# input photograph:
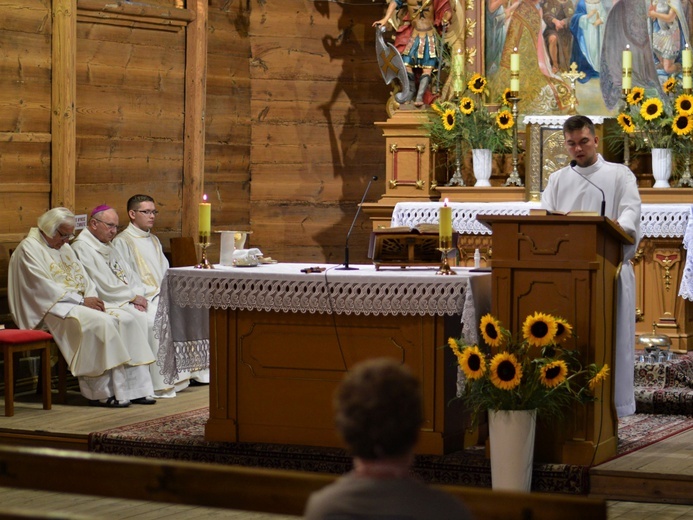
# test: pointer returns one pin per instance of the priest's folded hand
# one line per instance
(94, 303)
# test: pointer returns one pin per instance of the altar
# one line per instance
(278, 341)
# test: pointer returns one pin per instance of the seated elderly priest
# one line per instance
(116, 283)
(48, 288)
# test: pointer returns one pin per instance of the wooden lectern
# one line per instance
(566, 266)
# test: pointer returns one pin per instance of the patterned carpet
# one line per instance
(181, 437)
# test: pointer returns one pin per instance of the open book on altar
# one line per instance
(544, 212)
(419, 229)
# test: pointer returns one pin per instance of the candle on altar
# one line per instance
(457, 71)
(205, 217)
(686, 64)
(445, 226)
(627, 59)
(515, 71)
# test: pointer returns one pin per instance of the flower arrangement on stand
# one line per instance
(528, 375)
(665, 124)
(467, 123)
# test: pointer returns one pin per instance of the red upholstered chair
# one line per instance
(21, 340)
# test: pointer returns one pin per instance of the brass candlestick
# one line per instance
(686, 179)
(573, 75)
(456, 179)
(514, 177)
(445, 246)
(626, 140)
(204, 244)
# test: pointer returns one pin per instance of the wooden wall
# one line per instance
(292, 92)
(316, 92)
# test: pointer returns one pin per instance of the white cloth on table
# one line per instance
(92, 342)
(568, 191)
(686, 287)
(187, 294)
(142, 250)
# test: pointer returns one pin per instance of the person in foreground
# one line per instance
(49, 289)
(379, 414)
(142, 249)
(573, 189)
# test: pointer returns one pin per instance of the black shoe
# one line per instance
(111, 402)
(195, 382)
(143, 400)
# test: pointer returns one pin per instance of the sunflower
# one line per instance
(452, 343)
(626, 122)
(491, 331)
(473, 363)
(564, 330)
(504, 120)
(539, 329)
(448, 119)
(466, 105)
(682, 124)
(651, 109)
(553, 374)
(599, 377)
(684, 104)
(437, 109)
(477, 83)
(636, 96)
(506, 372)
(669, 85)
(505, 97)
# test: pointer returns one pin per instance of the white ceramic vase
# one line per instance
(661, 167)
(481, 163)
(512, 448)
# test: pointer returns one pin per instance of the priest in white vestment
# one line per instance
(142, 250)
(49, 289)
(116, 283)
(573, 189)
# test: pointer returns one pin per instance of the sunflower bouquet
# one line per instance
(468, 120)
(651, 122)
(531, 372)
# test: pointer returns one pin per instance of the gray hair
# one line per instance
(52, 219)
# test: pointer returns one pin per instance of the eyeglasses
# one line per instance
(147, 211)
(65, 236)
(107, 224)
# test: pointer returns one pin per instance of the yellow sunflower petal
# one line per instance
(504, 120)
(669, 85)
(684, 104)
(539, 329)
(466, 105)
(626, 123)
(491, 331)
(448, 118)
(651, 109)
(506, 372)
(636, 96)
(682, 124)
(553, 374)
(477, 83)
(473, 363)
(599, 377)
(564, 330)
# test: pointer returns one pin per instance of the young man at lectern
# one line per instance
(590, 183)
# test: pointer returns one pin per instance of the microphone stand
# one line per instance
(602, 213)
(346, 246)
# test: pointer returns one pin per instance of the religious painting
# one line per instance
(550, 35)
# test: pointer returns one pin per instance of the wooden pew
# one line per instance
(241, 488)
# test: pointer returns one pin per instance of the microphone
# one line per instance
(346, 246)
(573, 163)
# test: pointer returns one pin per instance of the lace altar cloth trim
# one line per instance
(186, 292)
(559, 120)
(686, 288)
(656, 220)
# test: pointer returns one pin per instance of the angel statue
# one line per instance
(422, 27)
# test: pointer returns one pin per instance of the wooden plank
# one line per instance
(334, 113)
(112, 33)
(358, 90)
(19, 213)
(139, 9)
(25, 187)
(243, 488)
(194, 143)
(25, 137)
(320, 151)
(63, 102)
(30, 16)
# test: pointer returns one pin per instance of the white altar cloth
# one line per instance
(686, 288)
(187, 294)
(656, 221)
